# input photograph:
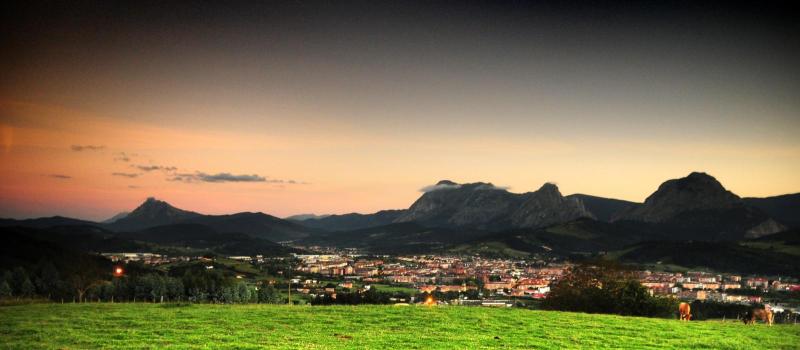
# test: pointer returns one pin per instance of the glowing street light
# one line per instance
(118, 271)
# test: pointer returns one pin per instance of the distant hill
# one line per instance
(352, 221)
(736, 257)
(20, 248)
(255, 224)
(397, 238)
(89, 239)
(115, 217)
(46, 222)
(202, 237)
(603, 209)
(154, 213)
(791, 237)
(785, 209)
(184, 238)
(582, 236)
(303, 217)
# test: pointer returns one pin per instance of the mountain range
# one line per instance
(470, 218)
(693, 207)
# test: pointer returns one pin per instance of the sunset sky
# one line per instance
(306, 107)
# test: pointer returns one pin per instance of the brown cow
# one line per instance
(761, 314)
(685, 310)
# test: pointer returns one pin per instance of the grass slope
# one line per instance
(716, 256)
(141, 326)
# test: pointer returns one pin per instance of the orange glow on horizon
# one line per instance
(333, 169)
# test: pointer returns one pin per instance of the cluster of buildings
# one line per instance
(510, 278)
(709, 286)
(146, 258)
(438, 273)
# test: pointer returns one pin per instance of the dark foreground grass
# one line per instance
(141, 326)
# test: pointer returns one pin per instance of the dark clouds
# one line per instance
(219, 177)
(128, 175)
(149, 168)
(200, 176)
(80, 148)
(227, 177)
(59, 176)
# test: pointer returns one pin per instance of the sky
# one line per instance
(335, 107)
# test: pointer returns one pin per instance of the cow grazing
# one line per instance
(686, 311)
(759, 314)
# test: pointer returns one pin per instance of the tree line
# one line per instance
(194, 284)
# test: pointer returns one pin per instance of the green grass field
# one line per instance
(140, 326)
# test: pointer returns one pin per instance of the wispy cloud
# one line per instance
(80, 148)
(228, 177)
(59, 176)
(440, 186)
(200, 176)
(219, 177)
(123, 157)
(149, 168)
(129, 175)
(133, 186)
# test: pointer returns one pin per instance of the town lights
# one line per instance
(118, 271)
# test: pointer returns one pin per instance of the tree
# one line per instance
(243, 292)
(174, 288)
(604, 287)
(5, 290)
(85, 273)
(48, 280)
(268, 295)
(27, 289)
(18, 277)
(229, 295)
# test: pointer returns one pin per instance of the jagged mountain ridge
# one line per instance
(484, 206)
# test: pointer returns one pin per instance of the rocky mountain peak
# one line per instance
(697, 191)
(154, 206)
(486, 206)
(549, 188)
(696, 182)
(152, 212)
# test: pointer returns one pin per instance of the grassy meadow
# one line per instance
(143, 326)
